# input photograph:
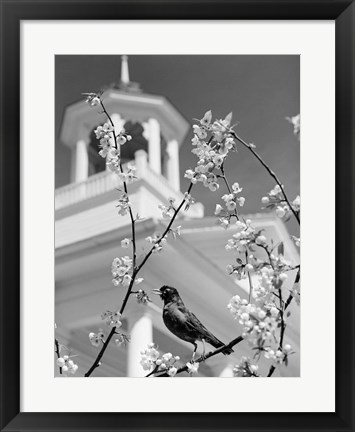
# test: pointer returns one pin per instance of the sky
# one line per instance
(260, 91)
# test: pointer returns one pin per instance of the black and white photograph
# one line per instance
(177, 216)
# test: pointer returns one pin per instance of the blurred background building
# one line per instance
(88, 232)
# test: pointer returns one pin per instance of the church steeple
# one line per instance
(124, 70)
(125, 84)
(157, 128)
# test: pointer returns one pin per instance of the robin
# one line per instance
(183, 323)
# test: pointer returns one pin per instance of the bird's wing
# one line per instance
(195, 324)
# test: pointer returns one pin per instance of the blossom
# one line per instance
(297, 240)
(211, 142)
(157, 242)
(192, 367)
(189, 174)
(121, 269)
(218, 209)
(123, 204)
(122, 339)
(259, 323)
(172, 371)
(138, 280)
(126, 280)
(206, 119)
(295, 292)
(296, 122)
(112, 318)
(67, 364)
(244, 236)
(122, 138)
(275, 191)
(245, 368)
(265, 286)
(96, 338)
(167, 211)
(296, 203)
(151, 358)
(241, 201)
(283, 277)
(93, 99)
(281, 211)
(220, 128)
(200, 131)
(142, 297)
(113, 162)
(278, 356)
(104, 131)
(260, 240)
(231, 200)
(189, 200)
(125, 243)
(236, 188)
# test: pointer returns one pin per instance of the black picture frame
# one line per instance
(12, 12)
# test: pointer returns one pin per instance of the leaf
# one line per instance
(228, 118)
(281, 249)
(288, 314)
(239, 261)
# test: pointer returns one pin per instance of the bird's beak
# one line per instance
(156, 291)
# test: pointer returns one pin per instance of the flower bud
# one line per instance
(60, 362)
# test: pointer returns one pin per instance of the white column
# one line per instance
(141, 159)
(141, 332)
(154, 145)
(172, 166)
(80, 162)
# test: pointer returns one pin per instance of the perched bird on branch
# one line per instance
(183, 323)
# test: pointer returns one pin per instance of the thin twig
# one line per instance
(290, 297)
(57, 350)
(269, 170)
(271, 371)
(155, 370)
(249, 276)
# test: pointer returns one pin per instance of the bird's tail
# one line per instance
(218, 344)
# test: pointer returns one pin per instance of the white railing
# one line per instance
(106, 181)
(95, 185)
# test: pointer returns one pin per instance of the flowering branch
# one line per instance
(223, 176)
(57, 351)
(269, 170)
(124, 184)
(136, 268)
(260, 320)
(223, 348)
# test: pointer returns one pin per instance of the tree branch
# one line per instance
(269, 170)
(207, 356)
(57, 351)
(135, 268)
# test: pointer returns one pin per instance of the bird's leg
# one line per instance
(193, 354)
(203, 356)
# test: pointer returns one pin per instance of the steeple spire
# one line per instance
(124, 70)
(125, 84)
